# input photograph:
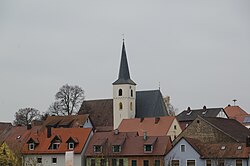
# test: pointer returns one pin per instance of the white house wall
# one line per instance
(47, 159)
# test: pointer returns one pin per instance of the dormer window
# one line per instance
(148, 148)
(97, 148)
(71, 146)
(117, 148)
(120, 92)
(32, 143)
(55, 143)
(31, 146)
(55, 146)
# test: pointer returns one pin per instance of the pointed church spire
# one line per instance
(124, 76)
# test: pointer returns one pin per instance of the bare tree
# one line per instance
(67, 100)
(170, 108)
(25, 116)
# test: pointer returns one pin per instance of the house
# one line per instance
(126, 149)
(69, 121)
(11, 143)
(187, 116)
(216, 130)
(190, 151)
(237, 113)
(126, 103)
(56, 146)
(159, 126)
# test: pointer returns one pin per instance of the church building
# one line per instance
(127, 103)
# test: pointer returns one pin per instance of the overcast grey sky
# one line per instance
(198, 50)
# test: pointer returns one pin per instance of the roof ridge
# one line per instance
(218, 127)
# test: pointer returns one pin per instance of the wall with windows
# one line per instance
(143, 161)
(50, 159)
(183, 153)
(105, 161)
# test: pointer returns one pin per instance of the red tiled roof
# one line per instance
(132, 146)
(17, 136)
(81, 134)
(153, 126)
(233, 111)
(219, 150)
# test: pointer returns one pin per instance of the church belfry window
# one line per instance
(120, 106)
(120, 92)
(131, 106)
(131, 93)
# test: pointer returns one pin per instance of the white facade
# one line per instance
(123, 102)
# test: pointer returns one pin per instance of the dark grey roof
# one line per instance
(124, 76)
(100, 111)
(231, 127)
(150, 104)
(190, 115)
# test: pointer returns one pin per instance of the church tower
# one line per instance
(123, 93)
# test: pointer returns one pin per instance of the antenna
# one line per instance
(234, 100)
(159, 85)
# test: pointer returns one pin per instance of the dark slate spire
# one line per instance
(124, 76)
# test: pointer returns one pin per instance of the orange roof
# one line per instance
(233, 111)
(80, 134)
(153, 126)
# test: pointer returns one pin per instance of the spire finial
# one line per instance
(123, 37)
(159, 85)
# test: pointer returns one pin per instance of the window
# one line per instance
(183, 148)
(208, 163)
(120, 162)
(145, 163)
(120, 92)
(97, 148)
(71, 146)
(120, 106)
(157, 163)
(221, 162)
(175, 127)
(148, 148)
(131, 106)
(131, 93)
(54, 160)
(114, 162)
(103, 162)
(92, 162)
(190, 162)
(238, 162)
(31, 146)
(55, 146)
(175, 163)
(116, 148)
(39, 160)
(134, 162)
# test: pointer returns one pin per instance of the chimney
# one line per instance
(188, 109)
(29, 126)
(157, 119)
(48, 131)
(248, 141)
(145, 136)
(204, 108)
